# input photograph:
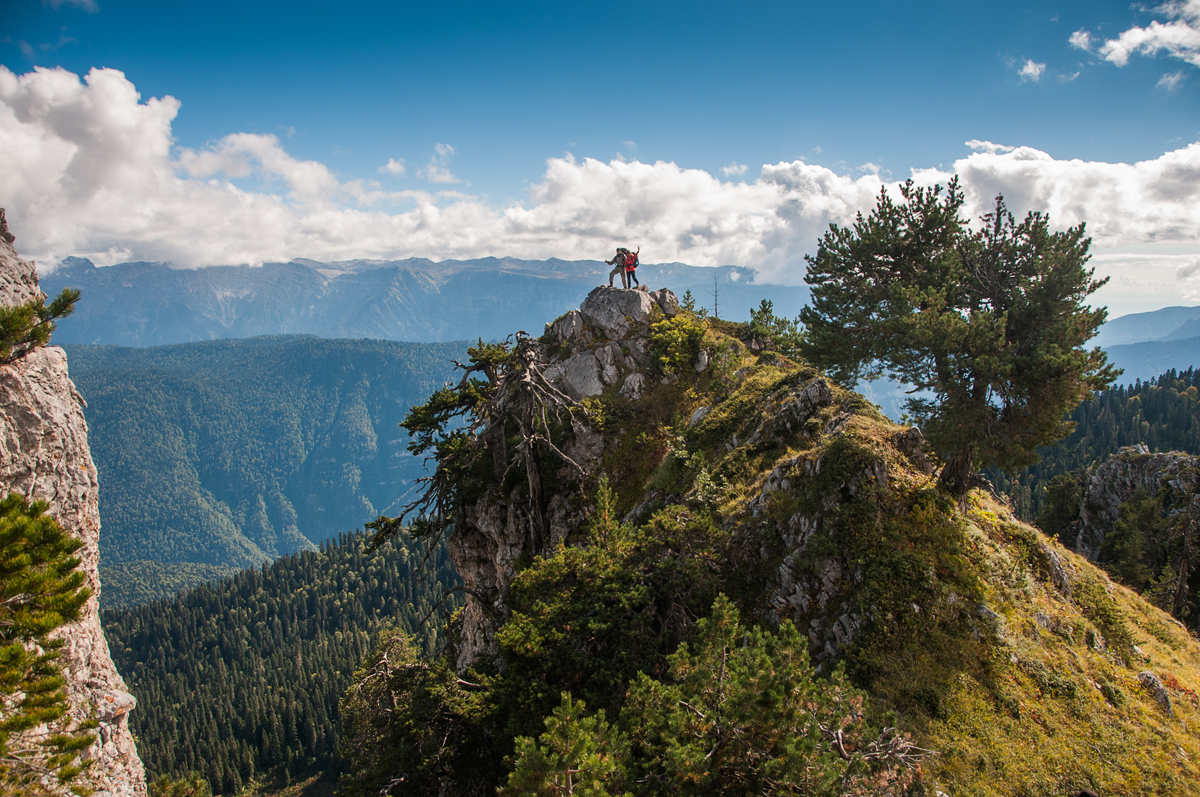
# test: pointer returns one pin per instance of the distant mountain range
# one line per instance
(1146, 345)
(1168, 323)
(1143, 345)
(152, 304)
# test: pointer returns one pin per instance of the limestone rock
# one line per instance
(667, 301)
(568, 327)
(578, 376)
(44, 455)
(1155, 685)
(18, 278)
(617, 312)
(1116, 481)
(633, 386)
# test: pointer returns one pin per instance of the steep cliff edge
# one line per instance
(44, 455)
(737, 469)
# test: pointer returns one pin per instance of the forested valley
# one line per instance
(225, 454)
(240, 680)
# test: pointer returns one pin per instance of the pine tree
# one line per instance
(41, 589)
(991, 322)
(27, 326)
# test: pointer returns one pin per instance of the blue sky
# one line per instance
(482, 108)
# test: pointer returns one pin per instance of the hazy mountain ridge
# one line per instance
(149, 304)
(1166, 323)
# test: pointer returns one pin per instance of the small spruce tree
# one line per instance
(41, 589)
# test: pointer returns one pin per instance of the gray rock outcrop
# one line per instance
(599, 347)
(44, 455)
(1117, 480)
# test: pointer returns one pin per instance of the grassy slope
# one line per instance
(1024, 687)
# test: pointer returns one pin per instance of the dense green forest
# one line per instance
(229, 453)
(241, 679)
(1163, 413)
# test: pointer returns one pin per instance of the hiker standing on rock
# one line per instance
(620, 264)
(631, 264)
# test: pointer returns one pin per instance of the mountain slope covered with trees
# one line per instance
(1162, 413)
(226, 454)
(241, 679)
(693, 565)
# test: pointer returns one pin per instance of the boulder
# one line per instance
(578, 376)
(633, 386)
(617, 312)
(567, 327)
(667, 301)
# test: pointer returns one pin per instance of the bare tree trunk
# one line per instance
(499, 446)
(537, 499)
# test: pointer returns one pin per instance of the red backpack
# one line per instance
(631, 260)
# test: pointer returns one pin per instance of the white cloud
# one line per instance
(393, 166)
(987, 146)
(1171, 81)
(1179, 38)
(1081, 40)
(89, 169)
(1032, 71)
(438, 169)
(87, 5)
(734, 169)
(1189, 270)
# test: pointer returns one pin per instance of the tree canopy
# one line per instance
(987, 325)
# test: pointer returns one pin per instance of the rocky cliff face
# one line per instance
(44, 455)
(1131, 469)
(602, 344)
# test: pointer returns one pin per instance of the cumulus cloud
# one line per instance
(438, 171)
(734, 169)
(1032, 71)
(1179, 38)
(90, 169)
(1081, 40)
(393, 166)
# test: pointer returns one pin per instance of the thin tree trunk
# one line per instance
(1181, 586)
